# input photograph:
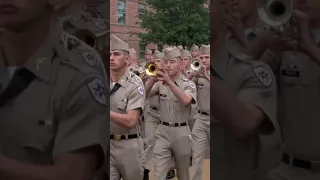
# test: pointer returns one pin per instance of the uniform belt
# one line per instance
(310, 165)
(154, 108)
(172, 124)
(118, 137)
(204, 113)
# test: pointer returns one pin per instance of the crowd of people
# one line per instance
(160, 121)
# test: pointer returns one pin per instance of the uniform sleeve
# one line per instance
(154, 90)
(84, 118)
(272, 59)
(259, 89)
(191, 90)
(136, 98)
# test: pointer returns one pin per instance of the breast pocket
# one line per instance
(122, 105)
(39, 142)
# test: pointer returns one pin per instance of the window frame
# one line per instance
(123, 12)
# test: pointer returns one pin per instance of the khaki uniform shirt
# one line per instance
(203, 96)
(171, 110)
(299, 101)
(62, 110)
(130, 96)
(252, 82)
(91, 21)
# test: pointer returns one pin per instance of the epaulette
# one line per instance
(81, 57)
(132, 77)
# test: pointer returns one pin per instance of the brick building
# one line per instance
(124, 15)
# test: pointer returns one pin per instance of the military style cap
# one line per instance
(118, 44)
(158, 55)
(204, 49)
(132, 51)
(171, 52)
(148, 51)
(185, 53)
(194, 47)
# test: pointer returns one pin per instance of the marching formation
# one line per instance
(159, 111)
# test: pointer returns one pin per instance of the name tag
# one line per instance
(290, 73)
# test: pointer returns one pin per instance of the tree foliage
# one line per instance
(176, 22)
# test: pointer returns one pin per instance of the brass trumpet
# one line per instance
(276, 13)
(151, 69)
(196, 65)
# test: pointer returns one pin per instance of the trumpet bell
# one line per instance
(151, 69)
(275, 13)
(196, 65)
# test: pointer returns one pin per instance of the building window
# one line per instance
(142, 51)
(141, 10)
(121, 12)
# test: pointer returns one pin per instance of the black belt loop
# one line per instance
(122, 137)
(172, 124)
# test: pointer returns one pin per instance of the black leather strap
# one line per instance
(173, 124)
(122, 137)
(300, 163)
(204, 113)
(19, 82)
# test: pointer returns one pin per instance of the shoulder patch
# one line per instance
(264, 75)
(90, 58)
(141, 90)
(96, 88)
(192, 85)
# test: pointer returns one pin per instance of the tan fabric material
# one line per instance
(118, 44)
(126, 155)
(194, 47)
(83, 23)
(64, 107)
(132, 51)
(171, 53)
(298, 81)
(125, 159)
(158, 55)
(200, 137)
(204, 49)
(185, 53)
(246, 159)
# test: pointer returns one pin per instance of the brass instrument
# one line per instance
(276, 13)
(141, 74)
(151, 69)
(196, 65)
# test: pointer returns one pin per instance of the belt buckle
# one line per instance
(172, 124)
(117, 137)
(315, 166)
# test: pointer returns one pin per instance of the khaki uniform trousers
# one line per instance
(151, 124)
(126, 159)
(172, 141)
(287, 172)
(200, 136)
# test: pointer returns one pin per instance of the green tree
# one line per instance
(176, 22)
